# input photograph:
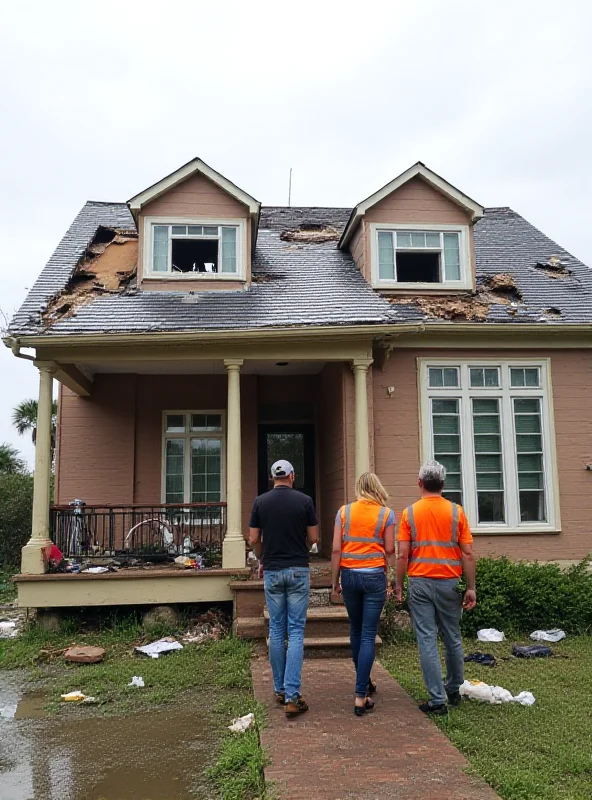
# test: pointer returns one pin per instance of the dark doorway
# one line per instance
(295, 443)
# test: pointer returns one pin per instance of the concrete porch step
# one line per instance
(322, 621)
(328, 646)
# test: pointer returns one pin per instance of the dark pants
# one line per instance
(364, 594)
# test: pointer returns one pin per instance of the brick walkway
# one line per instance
(329, 754)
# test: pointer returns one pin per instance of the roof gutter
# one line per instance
(15, 346)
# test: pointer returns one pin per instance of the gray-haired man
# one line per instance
(435, 547)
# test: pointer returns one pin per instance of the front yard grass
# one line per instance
(214, 676)
(543, 752)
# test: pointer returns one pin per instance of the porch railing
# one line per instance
(152, 533)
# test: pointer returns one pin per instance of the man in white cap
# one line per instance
(282, 530)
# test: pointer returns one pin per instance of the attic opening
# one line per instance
(194, 255)
(418, 268)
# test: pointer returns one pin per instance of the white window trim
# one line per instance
(241, 250)
(466, 277)
(504, 394)
(188, 435)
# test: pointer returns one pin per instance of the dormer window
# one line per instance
(201, 249)
(420, 256)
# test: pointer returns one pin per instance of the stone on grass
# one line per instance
(160, 615)
(85, 655)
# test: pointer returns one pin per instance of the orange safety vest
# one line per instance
(363, 524)
(434, 558)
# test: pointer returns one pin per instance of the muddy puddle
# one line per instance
(158, 755)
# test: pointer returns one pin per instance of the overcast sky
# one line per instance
(100, 100)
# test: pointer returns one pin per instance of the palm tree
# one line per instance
(10, 460)
(24, 419)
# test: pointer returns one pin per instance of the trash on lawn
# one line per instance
(137, 681)
(486, 659)
(207, 627)
(8, 629)
(84, 655)
(95, 570)
(477, 690)
(553, 635)
(490, 635)
(531, 651)
(155, 649)
(78, 697)
(242, 724)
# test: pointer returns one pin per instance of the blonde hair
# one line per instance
(369, 487)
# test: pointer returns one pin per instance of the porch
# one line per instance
(161, 451)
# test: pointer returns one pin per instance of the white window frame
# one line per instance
(241, 249)
(187, 436)
(505, 394)
(466, 275)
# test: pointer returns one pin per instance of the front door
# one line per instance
(294, 443)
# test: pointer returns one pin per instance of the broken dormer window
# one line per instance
(196, 250)
(412, 257)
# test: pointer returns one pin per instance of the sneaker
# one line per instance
(454, 699)
(436, 711)
(280, 697)
(295, 707)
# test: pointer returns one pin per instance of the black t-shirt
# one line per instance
(283, 515)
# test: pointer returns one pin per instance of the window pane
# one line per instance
(526, 406)
(487, 444)
(206, 422)
(485, 406)
(436, 377)
(179, 230)
(451, 257)
(528, 443)
(228, 250)
(195, 230)
(175, 423)
(486, 423)
(530, 463)
(517, 377)
(160, 256)
(531, 479)
(488, 463)
(174, 470)
(454, 497)
(489, 476)
(528, 423)
(418, 239)
(489, 480)
(477, 377)
(445, 406)
(403, 239)
(445, 424)
(452, 465)
(450, 376)
(386, 257)
(490, 507)
(492, 376)
(532, 507)
(206, 470)
(432, 239)
(212, 230)
(531, 377)
(447, 445)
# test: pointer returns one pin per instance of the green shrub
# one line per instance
(16, 500)
(522, 597)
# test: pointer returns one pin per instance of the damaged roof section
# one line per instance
(311, 233)
(107, 266)
(554, 268)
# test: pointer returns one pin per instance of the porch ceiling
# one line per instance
(205, 367)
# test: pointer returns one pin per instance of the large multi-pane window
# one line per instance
(193, 456)
(490, 425)
(196, 250)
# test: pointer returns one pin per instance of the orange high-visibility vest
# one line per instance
(441, 556)
(363, 524)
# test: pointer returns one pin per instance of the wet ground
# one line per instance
(81, 755)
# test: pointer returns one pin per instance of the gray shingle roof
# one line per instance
(298, 284)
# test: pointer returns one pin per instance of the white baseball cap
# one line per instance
(281, 469)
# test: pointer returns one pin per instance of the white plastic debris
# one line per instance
(553, 635)
(496, 695)
(7, 630)
(137, 681)
(490, 635)
(242, 724)
(96, 570)
(155, 649)
(78, 697)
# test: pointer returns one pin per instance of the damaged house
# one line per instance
(197, 336)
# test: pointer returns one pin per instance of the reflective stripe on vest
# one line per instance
(377, 538)
(452, 561)
(363, 527)
(415, 543)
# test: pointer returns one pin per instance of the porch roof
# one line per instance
(301, 284)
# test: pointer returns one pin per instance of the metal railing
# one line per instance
(152, 533)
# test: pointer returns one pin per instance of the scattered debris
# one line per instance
(263, 277)
(96, 570)
(156, 649)
(208, 627)
(242, 724)
(78, 697)
(485, 659)
(477, 690)
(84, 655)
(490, 635)
(311, 233)
(552, 635)
(554, 268)
(107, 266)
(531, 651)
(138, 681)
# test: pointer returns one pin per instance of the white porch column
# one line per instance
(362, 436)
(233, 547)
(33, 561)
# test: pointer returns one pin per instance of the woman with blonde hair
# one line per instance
(363, 541)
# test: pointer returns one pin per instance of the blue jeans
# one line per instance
(436, 607)
(286, 594)
(364, 594)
